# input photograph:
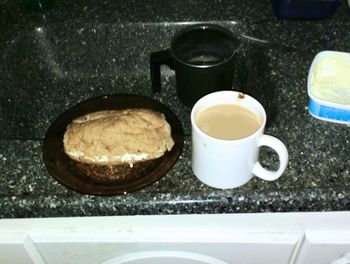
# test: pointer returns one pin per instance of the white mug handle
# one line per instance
(282, 152)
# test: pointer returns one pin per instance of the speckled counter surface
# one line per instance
(54, 59)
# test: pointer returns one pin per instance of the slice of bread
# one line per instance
(114, 144)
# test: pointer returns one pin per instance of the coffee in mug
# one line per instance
(227, 121)
(227, 132)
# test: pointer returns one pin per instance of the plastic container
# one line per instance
(328, 87)
(304, 9)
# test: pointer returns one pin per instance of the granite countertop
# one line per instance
(52, 59)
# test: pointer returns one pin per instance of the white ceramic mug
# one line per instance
(228, 164)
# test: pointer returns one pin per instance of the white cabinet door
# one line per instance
(190, 246)
(193, 239)
(193, 253)
(325, 247)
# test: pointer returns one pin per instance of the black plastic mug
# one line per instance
(202, 56)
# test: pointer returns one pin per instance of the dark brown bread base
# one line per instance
(108, 173)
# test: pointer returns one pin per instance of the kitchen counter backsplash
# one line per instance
(52, 59)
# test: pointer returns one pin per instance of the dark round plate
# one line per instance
(64, 169)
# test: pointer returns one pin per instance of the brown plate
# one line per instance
(64, 169)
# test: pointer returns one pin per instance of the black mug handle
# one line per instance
(157, 59)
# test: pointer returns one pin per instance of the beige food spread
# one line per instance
(330, 78)
(118, 136)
